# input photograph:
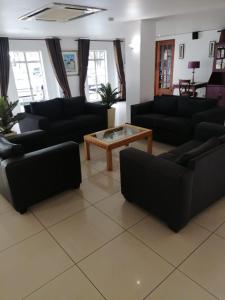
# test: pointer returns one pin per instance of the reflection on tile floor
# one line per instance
(91, 244)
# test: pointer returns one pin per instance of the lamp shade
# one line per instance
(194, 65)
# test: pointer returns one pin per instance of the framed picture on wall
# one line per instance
(181, 51)
(212, 48)
(70, 59)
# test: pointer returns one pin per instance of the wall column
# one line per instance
(140, 62)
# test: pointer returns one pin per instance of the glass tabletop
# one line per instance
(118, 133)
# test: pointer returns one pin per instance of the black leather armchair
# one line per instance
(173, 191)
(40, 172)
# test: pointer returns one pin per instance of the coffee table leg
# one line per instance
(149, 144)
(109, 160)
(87, 150)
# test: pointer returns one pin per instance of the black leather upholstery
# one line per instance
(174, 118)
(41, 173)
(175, 193)
(65, 119)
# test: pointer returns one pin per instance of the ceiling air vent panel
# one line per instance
(59, 12)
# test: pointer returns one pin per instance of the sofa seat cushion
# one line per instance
(166, 105)
(175, 124)
(51, 109)
(82, 122)
(187, 107)
(88, 121)
(73, 107)
(61, 126)
(148, 120)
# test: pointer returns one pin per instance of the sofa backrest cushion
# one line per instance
(8, 149)
(186, 107)
(73, 106)
(51, 109)
(166, 105)
(208, 145)
(222, 138)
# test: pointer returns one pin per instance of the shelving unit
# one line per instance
(216, 84)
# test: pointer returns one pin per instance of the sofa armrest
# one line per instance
(141, 108)
(31, 140)
(215, 115)
(206, 130)
(41, 174)
(33, 122)
(157, 184)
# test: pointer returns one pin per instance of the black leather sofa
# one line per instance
(173, 118)
(30, 171)
(179, 184)
(65, 119)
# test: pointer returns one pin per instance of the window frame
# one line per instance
(95, 60)
(26, 62)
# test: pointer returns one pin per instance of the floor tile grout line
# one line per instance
(196, 282)
(21, 241)
(159, 284)
(214, 230)
(146, 245)
(202, 243)
(74, 263)
(64, 219)
(91, 282)
(47, 282)
(100, 247)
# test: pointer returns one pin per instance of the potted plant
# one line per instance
(7, 119)
(109, 97)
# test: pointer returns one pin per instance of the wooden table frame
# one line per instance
(109, 146)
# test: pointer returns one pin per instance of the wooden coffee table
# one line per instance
(110, 139)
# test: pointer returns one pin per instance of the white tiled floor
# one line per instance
(90, 244)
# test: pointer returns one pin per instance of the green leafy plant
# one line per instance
(7, 119)
(108, 95)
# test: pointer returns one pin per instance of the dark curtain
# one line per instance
(4, 66)
(55, 53)
(120, 67)
(83, 54)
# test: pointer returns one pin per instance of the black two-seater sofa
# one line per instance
(31, 170)
(179, 184)
(65, 119)
(173, 118)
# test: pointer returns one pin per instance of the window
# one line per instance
(97, 72)
(29, 76)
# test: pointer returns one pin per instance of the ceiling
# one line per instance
(98, 25)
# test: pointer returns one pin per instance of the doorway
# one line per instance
(164, 67)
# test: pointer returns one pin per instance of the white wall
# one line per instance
(194, 50)
(140, 62)
(147, 75)
(199, 21)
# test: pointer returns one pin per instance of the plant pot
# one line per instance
(111, 117)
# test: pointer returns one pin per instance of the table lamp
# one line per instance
(193, 65)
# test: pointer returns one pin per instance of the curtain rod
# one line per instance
(25, 39)
(41, 39)
(109, 41)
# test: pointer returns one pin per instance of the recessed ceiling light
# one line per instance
(61, 12)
